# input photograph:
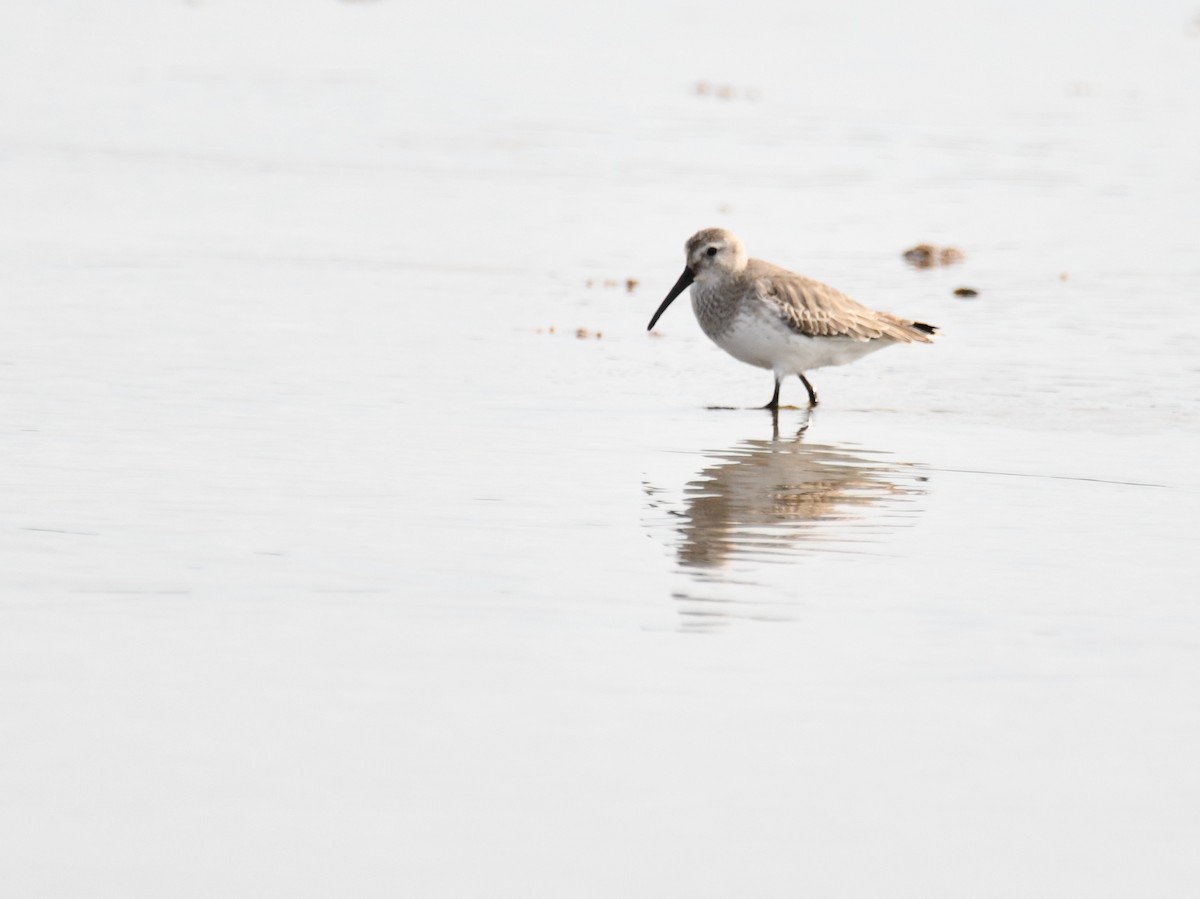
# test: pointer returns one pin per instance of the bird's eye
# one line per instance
(712, 251)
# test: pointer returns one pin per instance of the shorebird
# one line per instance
(769, 317)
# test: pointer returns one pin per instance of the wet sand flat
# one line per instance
(357, 538)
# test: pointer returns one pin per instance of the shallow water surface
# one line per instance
(357, 539)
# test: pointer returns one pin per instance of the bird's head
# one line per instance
(712, 254)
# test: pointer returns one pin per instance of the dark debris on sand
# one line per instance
(926, 255)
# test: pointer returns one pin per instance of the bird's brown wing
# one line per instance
(817, 310)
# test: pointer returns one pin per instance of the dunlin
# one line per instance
(769, 317)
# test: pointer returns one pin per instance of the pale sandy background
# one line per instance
(326, 569)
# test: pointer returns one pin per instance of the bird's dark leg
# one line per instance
(812, 394)
(774, 404)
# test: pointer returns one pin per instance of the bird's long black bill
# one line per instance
(680, 286)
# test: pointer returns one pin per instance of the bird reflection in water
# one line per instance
(777, 500)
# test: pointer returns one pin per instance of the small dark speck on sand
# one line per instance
(922, 255)
(966, 292)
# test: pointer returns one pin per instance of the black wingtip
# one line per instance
(928, 329)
